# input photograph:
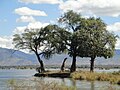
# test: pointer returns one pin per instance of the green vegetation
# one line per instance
(92, 76)
(96, 41)
(116, 73)
(34, 40)
(36, 85)
(82, 37)
(75, 35)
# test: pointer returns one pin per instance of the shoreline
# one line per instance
(106, 67)
(113, 78)
(54, 74)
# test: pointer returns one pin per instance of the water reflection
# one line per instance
(92, 85)
(83, 85)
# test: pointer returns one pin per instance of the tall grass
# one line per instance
(113, 78)
(36, 85)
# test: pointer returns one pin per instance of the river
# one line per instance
(27, 74)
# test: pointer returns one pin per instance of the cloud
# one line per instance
(29, 12)
(19, 30)
(36, 25)
(32, 25)
(26, 19)
(93, 7)
(6, 42)
(117, 46)
(41, 1)
(114, 27)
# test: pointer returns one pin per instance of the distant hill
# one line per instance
(8, 58)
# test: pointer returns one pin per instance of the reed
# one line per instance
(113, 78)
(36, 85)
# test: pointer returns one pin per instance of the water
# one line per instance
(16, 73)
(101, 70)
(27, 75)
(9, 74)
(84, 85)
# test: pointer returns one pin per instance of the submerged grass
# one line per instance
(37, 85)
(113, 78)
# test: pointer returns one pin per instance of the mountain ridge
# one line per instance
(8, 58)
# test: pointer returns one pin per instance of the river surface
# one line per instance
(27, 75)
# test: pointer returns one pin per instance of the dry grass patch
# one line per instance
(37, 85)
(92, 76)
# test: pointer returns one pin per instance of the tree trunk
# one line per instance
(41, 63)
(63, 65)
(92, 64)
(73, 66)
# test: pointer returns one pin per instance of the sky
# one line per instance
(16, 15)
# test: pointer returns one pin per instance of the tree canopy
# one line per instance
(95, 40)
(83, 37)
(34, 40)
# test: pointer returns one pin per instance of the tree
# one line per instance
(58, 38)
(95, 40)
(73, 23)
(82, 37)
(64, 36)
(34, 40)
(63, 64)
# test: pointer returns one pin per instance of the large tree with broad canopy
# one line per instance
(82, 37)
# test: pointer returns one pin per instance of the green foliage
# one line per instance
(82, 37)
(35, 40)
(57, 38)
(63, 37)
(95, 40)
(71, 20)
(116, 73)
